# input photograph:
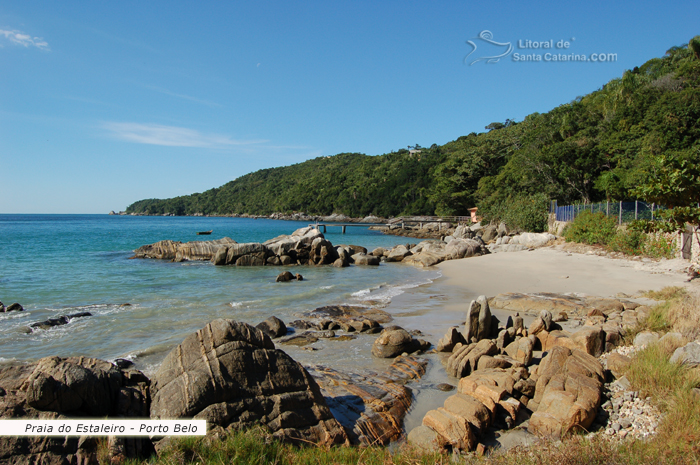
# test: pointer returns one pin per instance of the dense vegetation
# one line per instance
(598, 229)
(597, 147)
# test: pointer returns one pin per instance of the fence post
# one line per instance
(620, 220)
(635, 209)
(652, 212)
(607, 208)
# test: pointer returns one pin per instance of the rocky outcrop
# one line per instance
(179, 251)
(450, 340)
(349, 318)
(395, 341)
(364, 259)
(479, 320)
(518, 242)
(397, 253)
(572, 304)
(484, 398)
(429, 253)
(299, 240)
(502, 380)
(73, 387)
(305, 246)
(370, 405)
(567, 394)
(230, 374)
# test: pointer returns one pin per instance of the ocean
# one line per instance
(57, 265)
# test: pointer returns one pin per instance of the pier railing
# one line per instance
(402, 221)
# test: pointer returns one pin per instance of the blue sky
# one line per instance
(106, 103)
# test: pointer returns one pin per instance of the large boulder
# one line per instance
(273, 327)
(687, 355)
(427, 253)
(398, 253)
(247, 254)
(77, 385)
(164, 250)
(73, 387)
(490, 232)
(231, 375)
(364, 259)
(179, 251)
(450, 339)
(567, 393)
(322, 252)
(463, 248)
(201, 250)
(532, 240)
(478, 321)
(464, 358)
(301, 238)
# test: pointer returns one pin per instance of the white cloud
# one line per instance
(25, 40)
(172, 136)
(183, 96)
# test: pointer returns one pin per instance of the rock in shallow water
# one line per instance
(394, 342)
(273, 327)
(371, 405)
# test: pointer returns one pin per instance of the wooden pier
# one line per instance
(343, 225)
(403, 222)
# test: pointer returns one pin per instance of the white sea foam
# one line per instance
(243, 303)
(384, 293)
(361, 293)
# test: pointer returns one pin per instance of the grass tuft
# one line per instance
(667, 293)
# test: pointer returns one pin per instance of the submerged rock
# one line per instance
(15, 307)
(370, 405)
(58, 321)
(284, 277)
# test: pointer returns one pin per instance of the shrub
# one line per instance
(659, 245)
(628, 242)
(591, 228)
(523, 212)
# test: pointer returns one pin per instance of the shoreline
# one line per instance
(540, 270)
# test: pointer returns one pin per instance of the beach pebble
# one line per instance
(624, 415)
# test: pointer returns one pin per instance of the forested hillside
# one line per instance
(600, 146)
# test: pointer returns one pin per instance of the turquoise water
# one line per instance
(62, 264)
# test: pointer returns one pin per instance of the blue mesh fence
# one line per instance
(623, 211)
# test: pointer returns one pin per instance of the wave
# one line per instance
(385, 293)
(243, 303)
